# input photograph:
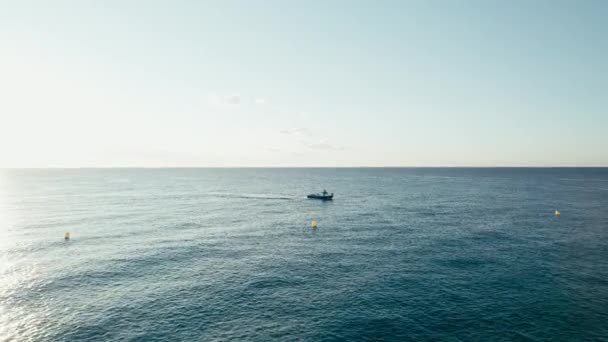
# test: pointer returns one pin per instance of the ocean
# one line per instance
(421, 254)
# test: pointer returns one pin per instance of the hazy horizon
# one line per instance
(303, 84)
(300, 167)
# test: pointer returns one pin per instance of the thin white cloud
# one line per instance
(234, 99)
(311, 141)
(224, 100)
(260, 101)
(302, 131)
(272, 149)
(283, 152)
(322, 144)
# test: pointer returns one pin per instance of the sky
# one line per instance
(303, 83)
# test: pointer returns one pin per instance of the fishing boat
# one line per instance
(325, 196)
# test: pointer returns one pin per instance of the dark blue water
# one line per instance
(228, 254)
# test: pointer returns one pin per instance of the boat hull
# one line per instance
(321, 197)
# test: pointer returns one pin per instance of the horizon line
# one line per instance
(306, 167)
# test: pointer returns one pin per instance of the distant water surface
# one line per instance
(428, 254)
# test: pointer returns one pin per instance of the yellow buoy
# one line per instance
(557, 213)
(313, 224)
(66, 236)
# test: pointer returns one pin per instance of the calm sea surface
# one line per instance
(228, 254)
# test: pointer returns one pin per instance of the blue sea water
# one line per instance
(426, 254)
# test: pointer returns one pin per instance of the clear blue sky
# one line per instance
(303, 83)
